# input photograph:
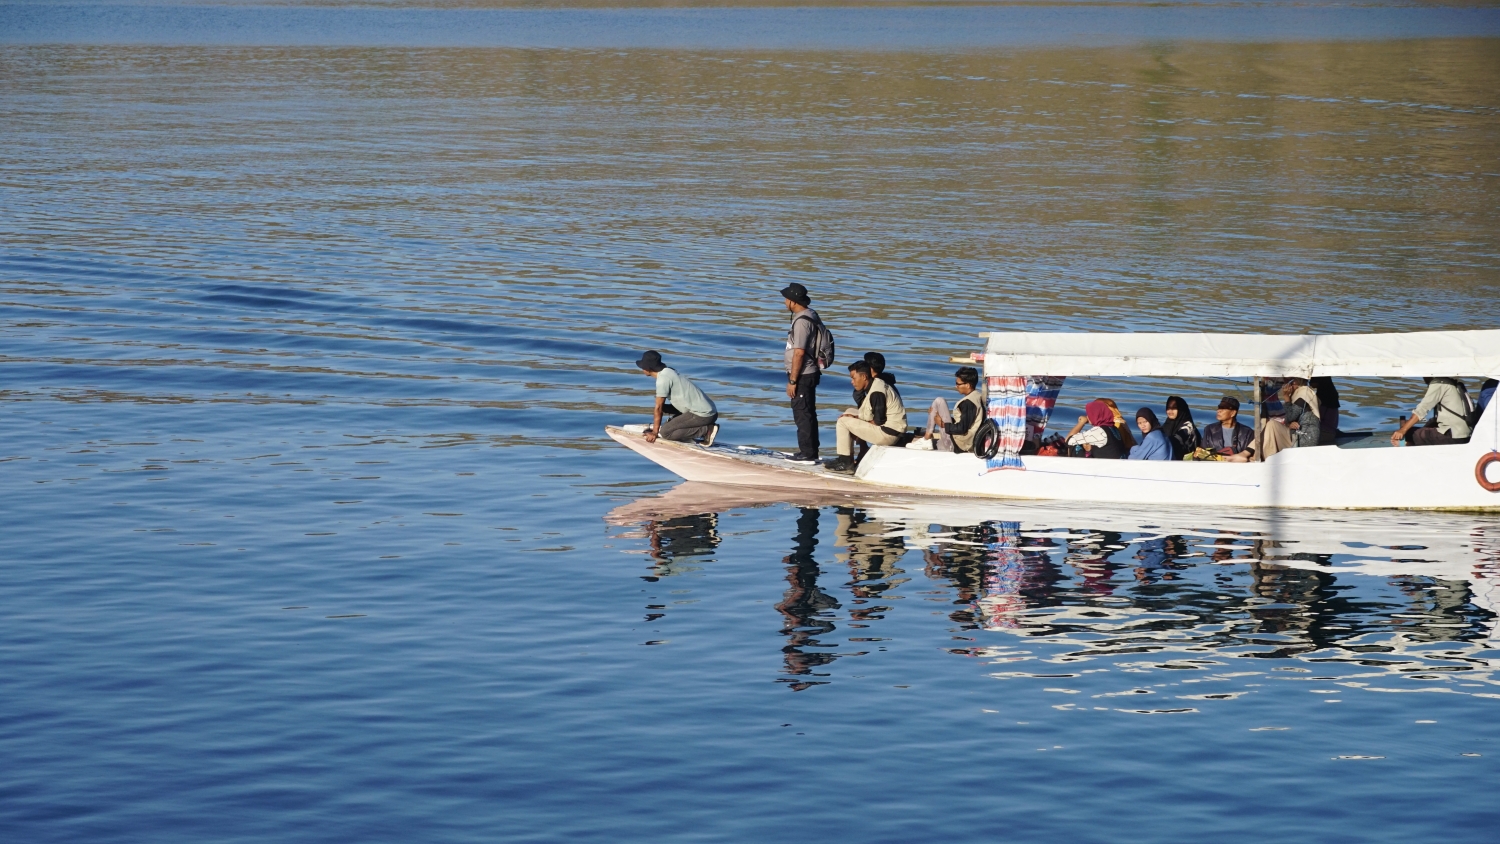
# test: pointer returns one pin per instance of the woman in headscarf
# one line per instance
(1179, 429)
(1102, 440)
(1125, 436)
(1154, 445)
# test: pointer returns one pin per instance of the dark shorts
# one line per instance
(1430, 436)
(685, 427)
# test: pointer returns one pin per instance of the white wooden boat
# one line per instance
(1457, 477)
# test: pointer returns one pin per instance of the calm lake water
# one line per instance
(312, 318)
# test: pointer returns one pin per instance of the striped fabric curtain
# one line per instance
(1007, 407)
(1041, 397)
(1020, 407)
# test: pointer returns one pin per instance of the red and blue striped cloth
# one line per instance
(1020, 407)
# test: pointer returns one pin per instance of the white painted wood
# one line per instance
(1415, 354)
(1434, 477)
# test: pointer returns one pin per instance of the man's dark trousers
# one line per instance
(805, 414)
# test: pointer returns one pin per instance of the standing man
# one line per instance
(693, 415)
(802, 373)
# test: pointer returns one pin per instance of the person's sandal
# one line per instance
(708, 441)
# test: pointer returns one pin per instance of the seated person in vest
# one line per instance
(693, 415)
(1103, 439)
(957, 434)
(879, 420)
(1233, 442)
(877, 366)
(1447, 401)
(1299, 423)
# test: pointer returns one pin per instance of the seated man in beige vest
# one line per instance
(956, 432)
(880, 418)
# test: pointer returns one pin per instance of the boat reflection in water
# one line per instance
(1409, 596)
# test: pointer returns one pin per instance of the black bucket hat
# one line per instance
(1229, 403)
(651, 361)
(797, 293)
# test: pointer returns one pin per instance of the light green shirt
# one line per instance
(681, 394)
(1449, 403)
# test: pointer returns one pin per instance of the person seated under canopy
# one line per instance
(1154, 445)
(1232, 441)
(1448, 401)
(1127, 439)
(1179, 428)
(1486, 393)
(956, 433)
(1103, 439)
(1300, 423)
(1328, 408)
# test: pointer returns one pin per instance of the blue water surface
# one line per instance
(310, 327)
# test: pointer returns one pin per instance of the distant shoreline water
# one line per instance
(958, 27)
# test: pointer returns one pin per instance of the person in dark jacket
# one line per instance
(1328, 409)
(1179, 428)
(1229, 439)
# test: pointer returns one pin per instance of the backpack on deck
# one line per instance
(823, 350)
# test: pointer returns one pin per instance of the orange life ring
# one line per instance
(1483, 464)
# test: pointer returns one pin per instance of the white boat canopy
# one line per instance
(1449, 353)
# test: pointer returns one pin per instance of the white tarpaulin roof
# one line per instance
(1450, 353)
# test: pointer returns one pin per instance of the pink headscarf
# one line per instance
(1099, 414)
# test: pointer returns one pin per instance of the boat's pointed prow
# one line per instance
(737, 465)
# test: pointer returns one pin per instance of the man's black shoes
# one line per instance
(803, 460)
(843, 465)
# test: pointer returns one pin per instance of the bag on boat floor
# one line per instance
(986, 440)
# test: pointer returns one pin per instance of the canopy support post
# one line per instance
(1257, 399)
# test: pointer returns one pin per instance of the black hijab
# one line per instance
(1184, 415)
(1149, 415)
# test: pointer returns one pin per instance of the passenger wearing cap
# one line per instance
(802, 371)
(693, 414)
(1229, 439)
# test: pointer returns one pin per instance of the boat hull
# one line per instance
(1328, 477)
